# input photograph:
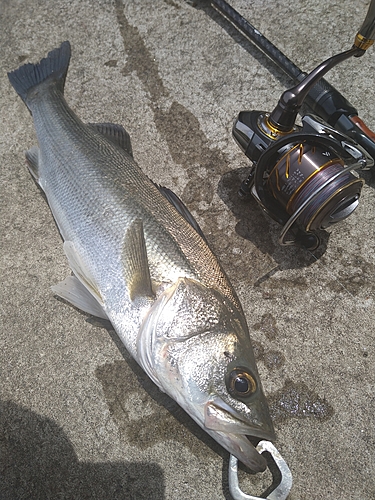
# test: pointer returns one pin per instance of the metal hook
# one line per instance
(280, 492)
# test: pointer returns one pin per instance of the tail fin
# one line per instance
(54, 68)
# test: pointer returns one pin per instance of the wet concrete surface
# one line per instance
(79, 418)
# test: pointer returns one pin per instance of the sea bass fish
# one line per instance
(140, 260)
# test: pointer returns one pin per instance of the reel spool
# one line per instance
(303, 170)
(305, 180)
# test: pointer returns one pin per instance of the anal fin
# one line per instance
(32, 158)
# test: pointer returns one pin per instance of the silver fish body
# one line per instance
(139, 260)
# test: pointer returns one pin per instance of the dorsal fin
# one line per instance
(114, 133)
(181, 208)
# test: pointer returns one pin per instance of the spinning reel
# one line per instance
(305, 177)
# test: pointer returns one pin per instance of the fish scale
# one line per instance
(111, 187)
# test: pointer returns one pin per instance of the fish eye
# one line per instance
(241, 383)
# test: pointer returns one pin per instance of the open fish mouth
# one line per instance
(230, 429)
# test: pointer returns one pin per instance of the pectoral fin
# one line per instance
(135, 262)
(72, 290)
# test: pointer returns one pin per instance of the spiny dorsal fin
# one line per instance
(181, 208)
(135, 262)
(116, 134)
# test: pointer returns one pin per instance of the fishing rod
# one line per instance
(304, 177)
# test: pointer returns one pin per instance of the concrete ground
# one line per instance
(79, 419)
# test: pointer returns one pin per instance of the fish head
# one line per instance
(195, 345)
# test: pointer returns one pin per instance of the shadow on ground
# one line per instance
(39, 461)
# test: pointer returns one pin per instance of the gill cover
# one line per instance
(195, 346)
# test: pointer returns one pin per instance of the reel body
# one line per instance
(305, 179)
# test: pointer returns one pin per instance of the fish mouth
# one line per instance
(234, 432)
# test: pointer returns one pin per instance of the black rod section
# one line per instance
(323, 98)
(248, 30)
